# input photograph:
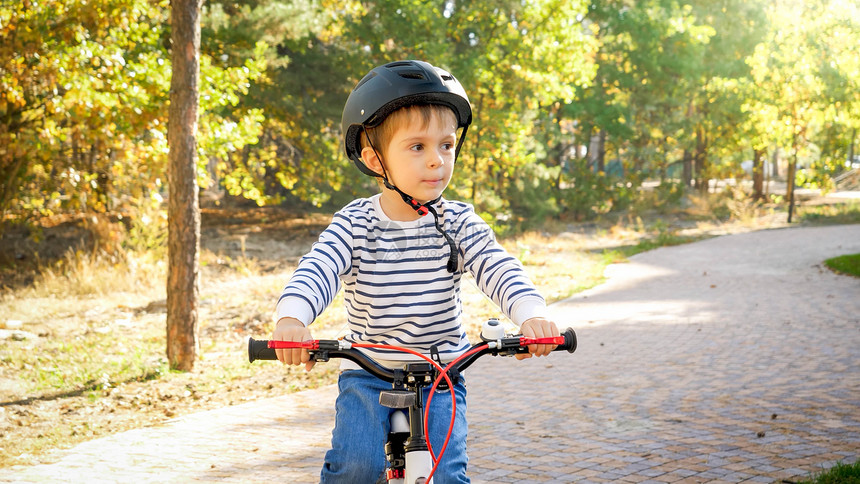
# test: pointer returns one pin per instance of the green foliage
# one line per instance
(818, 175)
(806, 81)
(662, 84)
(651, 68)
(71, 96)
(664, 198)
(85, 91)
(516, 60)
(587, 194)
(531, 196)
(146, 230)
(296, 101)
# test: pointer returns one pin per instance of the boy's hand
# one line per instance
(538, 328)
(290, 329)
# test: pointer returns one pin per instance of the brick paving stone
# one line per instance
(728, 360)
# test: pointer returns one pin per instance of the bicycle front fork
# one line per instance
(394, 448)
(409, 459)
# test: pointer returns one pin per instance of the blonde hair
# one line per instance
(380, 136)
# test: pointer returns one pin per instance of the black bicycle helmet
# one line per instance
(395, 85)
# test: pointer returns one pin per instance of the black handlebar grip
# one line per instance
(569, 341)
(259, 350)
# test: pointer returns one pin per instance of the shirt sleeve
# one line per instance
(316, 280)
(499, 275)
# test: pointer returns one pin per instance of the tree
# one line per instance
(298, 157)
(650, 71)
(720, 133)
(803, 70)
(81, 91)
(183, 208)
(84, 88)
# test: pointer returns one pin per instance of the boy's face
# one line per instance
(420, 157)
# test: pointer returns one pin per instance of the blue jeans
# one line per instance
(361, 430)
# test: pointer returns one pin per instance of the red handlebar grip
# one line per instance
(552, 340)
(283, 345)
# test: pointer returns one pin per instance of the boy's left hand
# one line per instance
(538, 328)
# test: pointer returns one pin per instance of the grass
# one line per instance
(845, 264)
(85, 363)
(836, 214)
(846, 213)
(838, 474)
(663, 239)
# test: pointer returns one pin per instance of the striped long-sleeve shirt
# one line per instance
(397, 288)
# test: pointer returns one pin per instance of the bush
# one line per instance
(664, 198)
(532, 195)
(586, 194)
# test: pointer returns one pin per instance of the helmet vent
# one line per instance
(364, 81)
(412, 75)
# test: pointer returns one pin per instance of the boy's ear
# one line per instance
(371, 160)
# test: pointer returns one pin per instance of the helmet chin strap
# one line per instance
(421, 208)
(415, 204)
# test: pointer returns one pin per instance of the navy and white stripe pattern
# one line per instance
(397, 288)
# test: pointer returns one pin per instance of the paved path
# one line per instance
(735, 359)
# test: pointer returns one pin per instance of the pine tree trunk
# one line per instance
(183, 204)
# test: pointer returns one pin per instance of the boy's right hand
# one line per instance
(291, 329)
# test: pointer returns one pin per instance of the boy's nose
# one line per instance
(436, 159)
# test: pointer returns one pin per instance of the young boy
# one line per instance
(400, 256)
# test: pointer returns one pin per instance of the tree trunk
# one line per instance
(851, 145)
(591, 148)
(601, 151)
(183, 206)
(774, 164)
(790, 176)
(700, 159)
(687, 174)
(476, 162)
(758, 174)
(664, 162)
(7, 187)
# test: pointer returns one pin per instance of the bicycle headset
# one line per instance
(388, 88)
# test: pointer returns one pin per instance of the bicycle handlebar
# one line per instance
(322, 350)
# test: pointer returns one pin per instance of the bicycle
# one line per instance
(410, 457)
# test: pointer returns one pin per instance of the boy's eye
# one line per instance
(417, 147)
(447, 146)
